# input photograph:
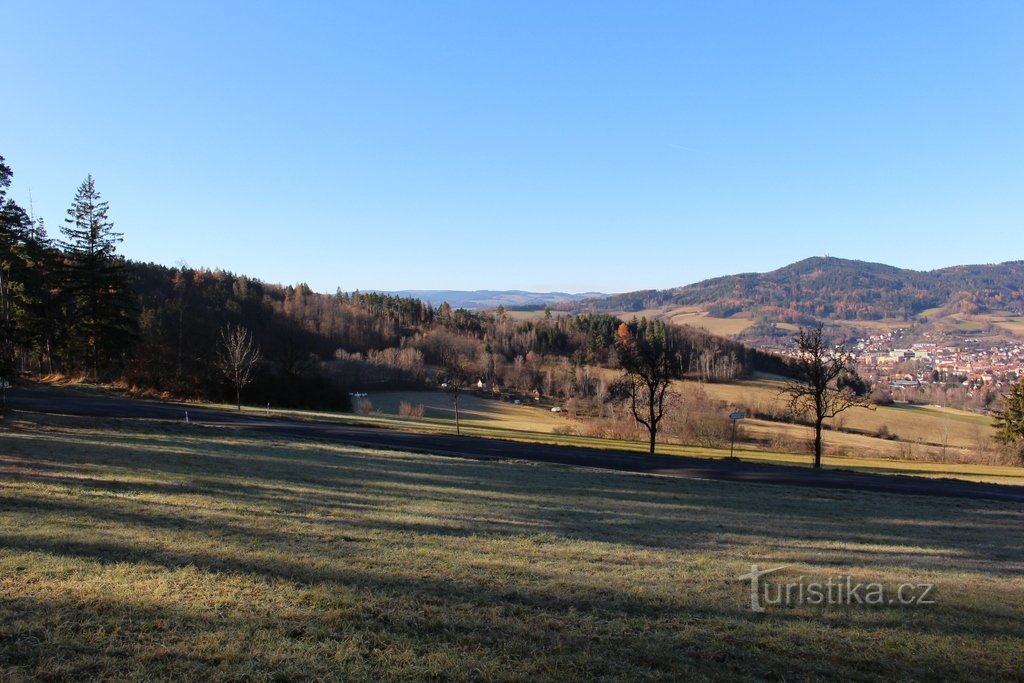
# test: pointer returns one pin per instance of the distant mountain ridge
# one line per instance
(481, 299)
(829, 288)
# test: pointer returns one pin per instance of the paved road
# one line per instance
(70, 402)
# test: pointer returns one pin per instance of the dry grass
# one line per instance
(769, 442)
(934, 430)
(139, 550)
(474, 411)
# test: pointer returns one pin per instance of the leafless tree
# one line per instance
(237, 359)
(454, 379)
(651, 359)
(824, 389)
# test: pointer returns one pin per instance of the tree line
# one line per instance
(70, 304)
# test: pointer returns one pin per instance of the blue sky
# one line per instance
(570, 146)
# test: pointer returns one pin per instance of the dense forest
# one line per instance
(72, 305)
(840, 289)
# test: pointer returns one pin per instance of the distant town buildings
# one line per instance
(971, 361)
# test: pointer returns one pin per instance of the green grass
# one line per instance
(140, 550)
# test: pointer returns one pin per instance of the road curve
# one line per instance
(71, 402)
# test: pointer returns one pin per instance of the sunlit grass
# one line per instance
(132, 549)
(497, 420)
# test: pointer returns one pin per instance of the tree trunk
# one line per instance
(238, 397)
(651, 414)
(817, 444)
(458, 431)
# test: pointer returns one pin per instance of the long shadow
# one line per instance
(529, 601)
(643, 512)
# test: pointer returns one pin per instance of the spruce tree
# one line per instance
(96, 289)
(18, 288)
(1009, 422)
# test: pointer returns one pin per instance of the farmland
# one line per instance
(922, 440)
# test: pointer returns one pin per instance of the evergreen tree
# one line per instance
(18, 286)
(1010, 420)
(96, 289)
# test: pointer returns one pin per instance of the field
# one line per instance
(933, 442)
(135, 549)
(1007, 323)
(933, 426)
(694, 316)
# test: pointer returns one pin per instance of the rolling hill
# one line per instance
(839, 290)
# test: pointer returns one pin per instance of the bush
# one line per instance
(365, 406)
(883, 433)
(406, 409)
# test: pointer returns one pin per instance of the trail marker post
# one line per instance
(735, 417)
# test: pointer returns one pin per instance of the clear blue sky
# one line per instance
(530, 145)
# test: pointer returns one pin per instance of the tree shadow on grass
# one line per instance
(642, 511)
(526, 627)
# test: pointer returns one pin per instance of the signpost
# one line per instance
(735, 417)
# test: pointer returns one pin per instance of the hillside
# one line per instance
(142, 550)
(833, 289)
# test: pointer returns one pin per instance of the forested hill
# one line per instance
(840, 289)
(72, 306)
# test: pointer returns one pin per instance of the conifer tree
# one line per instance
(96, 288)
(1010, 420)
(17, 286)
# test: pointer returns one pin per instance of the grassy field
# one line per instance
(929, 429)
(474, 411)
(133, 549)
(787, 443)
(933, 441)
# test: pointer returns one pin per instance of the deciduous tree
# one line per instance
(651, 357)
(238, 359)
(827, 382)
(454, 379)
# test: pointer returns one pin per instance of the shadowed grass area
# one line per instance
(139, 549)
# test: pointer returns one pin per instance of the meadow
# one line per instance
(136, 549)
(929, 441)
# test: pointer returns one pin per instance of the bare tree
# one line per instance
(650, 356)
(237, 359)
(454, 380)
(827, 382)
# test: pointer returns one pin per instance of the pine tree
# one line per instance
(97, 288)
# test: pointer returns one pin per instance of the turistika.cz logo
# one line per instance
(836, 590)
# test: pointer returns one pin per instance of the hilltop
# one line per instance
(863, 294)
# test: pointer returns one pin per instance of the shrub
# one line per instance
(883, 433)
(406, 409)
